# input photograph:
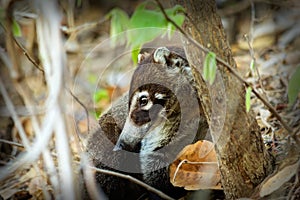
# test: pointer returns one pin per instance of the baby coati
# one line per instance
(163, 115)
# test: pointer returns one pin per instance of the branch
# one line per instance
(83, 106)
(83, 26)
(251, 50)
(28, 56)
(230, 69)
(14, 115)
(12, 143)
(134, 180)
(88, 177)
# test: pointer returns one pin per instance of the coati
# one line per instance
(162, 116)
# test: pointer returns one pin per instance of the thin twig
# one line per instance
(185, 161)
(177, 169)
(15, 70)
(134, 180)
(250, 40)
(83, 106)
(124, 176)
(24, 51)
(83, 26)
(14, 115)
(12, 143)
(89, 179)
(230, 69)
(29, 56)
(295, 194)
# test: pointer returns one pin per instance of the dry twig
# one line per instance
(134, 180)
(12, 143)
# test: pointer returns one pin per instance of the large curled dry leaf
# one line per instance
(196, 167)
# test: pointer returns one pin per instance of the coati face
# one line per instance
(153, 105)
(147, 112)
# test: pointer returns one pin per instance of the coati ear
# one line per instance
(160, 55)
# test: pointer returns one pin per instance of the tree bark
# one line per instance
(242, 158)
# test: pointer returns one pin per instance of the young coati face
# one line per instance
(147, 114)
(160, 80)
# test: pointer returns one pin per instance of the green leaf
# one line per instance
(294, 86)
(175, 14)
(16, 29)
(101, 94)
(96, 114)
(142, 18)
(149, 24)
(119, 23)
(210, 67)
(247, 99)
(140, 36)
(213, 69)
(252, 65)
(145, 24)
(134, 54)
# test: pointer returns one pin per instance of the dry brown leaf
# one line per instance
(17, 184)
(277, 180)
(27, 125)
(196, 167)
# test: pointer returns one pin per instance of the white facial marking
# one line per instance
(143, 93)
(135, 100)
(154, 136)
(148, 106)
(159, 96)
(136, 97)
(140, 58)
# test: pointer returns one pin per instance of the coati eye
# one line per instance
(143, 101)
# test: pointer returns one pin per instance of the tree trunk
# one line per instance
(242, 158)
